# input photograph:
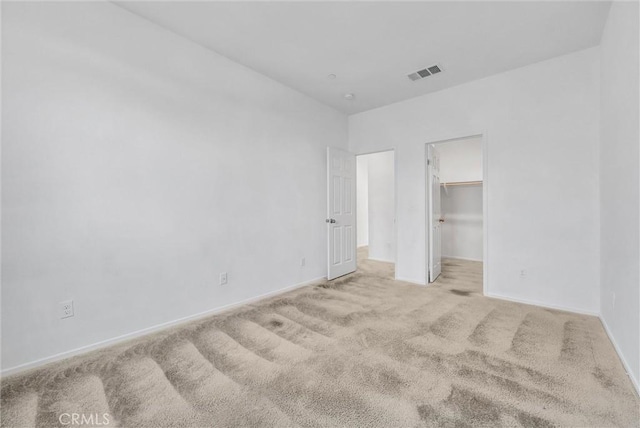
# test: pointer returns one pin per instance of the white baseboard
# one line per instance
(380, 260)
(544, 305)
(625, 363)
(411, 281)
(149, 330)
(461, 258)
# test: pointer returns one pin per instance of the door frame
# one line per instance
(485, 200)
(395, 202)
(430, 208)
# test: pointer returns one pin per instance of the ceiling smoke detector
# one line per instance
(349, 97)
(425, 72)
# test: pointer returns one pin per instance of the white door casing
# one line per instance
(435, 214)
(341, 212)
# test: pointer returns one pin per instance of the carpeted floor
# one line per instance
(364, 351)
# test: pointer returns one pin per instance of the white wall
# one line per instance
(462, 229)
(541, 125)
(461, 160)
(136, 167)
(619, 183)
(362, 200)
(381, 206)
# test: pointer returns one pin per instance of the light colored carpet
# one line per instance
(364, 351)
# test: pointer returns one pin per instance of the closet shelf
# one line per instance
(461, 183)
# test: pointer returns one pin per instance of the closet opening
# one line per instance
(455, 208)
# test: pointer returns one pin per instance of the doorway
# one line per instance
(376, 216)
(455, 210)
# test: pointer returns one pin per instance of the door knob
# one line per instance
(330, 220)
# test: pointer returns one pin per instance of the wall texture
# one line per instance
(381, 206)
(461, 160)
(362, 200)
(619, 183)
(138, 166)
(541, 125)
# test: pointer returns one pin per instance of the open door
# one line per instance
(435, 214)
(341, 212)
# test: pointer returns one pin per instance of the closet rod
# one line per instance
(461, 183)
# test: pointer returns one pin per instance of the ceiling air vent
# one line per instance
(425, 72)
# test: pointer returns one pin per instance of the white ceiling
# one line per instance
(372, 46)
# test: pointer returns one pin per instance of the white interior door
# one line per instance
(341, 216)
(435, 213)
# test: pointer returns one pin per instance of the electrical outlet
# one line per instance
(66, 309)
(523, 274)
(303, 262)
(223, 278)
